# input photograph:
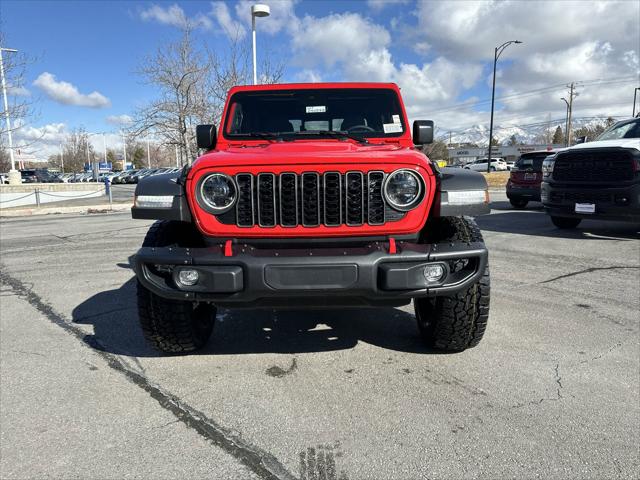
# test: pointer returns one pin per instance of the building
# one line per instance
(464, 155)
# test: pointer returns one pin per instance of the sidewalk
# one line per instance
(91, 205)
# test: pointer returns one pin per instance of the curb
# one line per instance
(87, 209)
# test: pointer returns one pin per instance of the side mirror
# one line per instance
(422, 132)
(582, 139)
(206, 136)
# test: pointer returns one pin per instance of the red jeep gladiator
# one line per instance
(312, 195)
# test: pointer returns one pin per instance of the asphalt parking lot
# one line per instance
(553, 391)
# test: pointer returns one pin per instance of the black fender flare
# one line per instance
(161, 187)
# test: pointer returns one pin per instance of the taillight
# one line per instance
(635, 166)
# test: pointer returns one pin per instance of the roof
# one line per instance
(309, 86)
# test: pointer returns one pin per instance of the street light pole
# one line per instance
(496, 54)
(14, 175)
(148, 154)
(257, 10)
(635, 93)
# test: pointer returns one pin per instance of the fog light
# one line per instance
(188, 277)
(434, 273)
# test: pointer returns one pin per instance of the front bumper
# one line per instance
(621, 203)
(244, 276)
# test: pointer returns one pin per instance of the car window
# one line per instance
(626, 129)
(531, 161)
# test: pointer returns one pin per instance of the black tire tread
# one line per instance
(457, 322)
(173, 326)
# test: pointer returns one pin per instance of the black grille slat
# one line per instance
(288, 199)
(595, 167)
(244, 207)
(266, 200)
(354, 187)
(332, 199)
(375, 203)
(310, 199)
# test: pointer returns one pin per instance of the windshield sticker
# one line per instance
(392, 127)
(317, 109)
(396, 118)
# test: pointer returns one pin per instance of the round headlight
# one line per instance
(403, 189)
(218, 192)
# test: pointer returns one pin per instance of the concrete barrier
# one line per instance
(39, 193)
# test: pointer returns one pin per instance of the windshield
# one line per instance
(322, 112)
(531, 161)
(626, 129)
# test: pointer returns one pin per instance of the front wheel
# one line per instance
(455, 323)
(173, 326)
(565, 222)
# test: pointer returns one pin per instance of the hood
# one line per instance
(621, 142)
(311, 152)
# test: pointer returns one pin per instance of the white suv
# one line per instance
(497, 164)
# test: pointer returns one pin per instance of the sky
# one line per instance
(85, 55)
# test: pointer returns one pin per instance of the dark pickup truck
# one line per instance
(598, 180)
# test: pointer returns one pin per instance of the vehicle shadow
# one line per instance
(534, 221)
(113, 315)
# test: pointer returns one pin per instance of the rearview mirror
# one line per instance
(206, 136)
(422, 132)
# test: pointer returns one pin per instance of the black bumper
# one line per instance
(527, 192)
(367, 275)
(620, 203)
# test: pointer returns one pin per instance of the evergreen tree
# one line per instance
(558, 136)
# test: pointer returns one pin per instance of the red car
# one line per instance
(312, 195)
(524, 181)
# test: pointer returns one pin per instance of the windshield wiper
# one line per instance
(265, 135)
(335, 134)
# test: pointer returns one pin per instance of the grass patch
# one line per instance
(496, 180)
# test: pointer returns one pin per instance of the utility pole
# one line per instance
(14, 175)
(566, 123)
(572, 95)
(61, 159)
(449, 137)
(148, 154)
(177, 162)
(635, 93)
(124, 148)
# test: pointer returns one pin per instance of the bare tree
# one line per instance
(77, 150)
(192, 84)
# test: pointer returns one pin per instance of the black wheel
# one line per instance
(493, 169)
(518, 202)
(173, 326)
(565, 222)
(455, 323)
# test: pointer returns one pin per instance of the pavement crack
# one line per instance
(558, 380)
(589, 270)
(279, 372)
(260, 462)
(597, 357)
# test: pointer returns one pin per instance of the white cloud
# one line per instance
(336, 38)
(379, 5)
(232, 28)
(68, 94)
(119, 119)
(18, 91)
(174, 15)
(308, 75)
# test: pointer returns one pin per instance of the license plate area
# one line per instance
(585, 208)
(311, 277)
(530, 176)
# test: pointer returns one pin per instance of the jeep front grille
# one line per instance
(605, 166)
(311, 199)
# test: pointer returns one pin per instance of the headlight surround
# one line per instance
(217, 193)
(547, 167)
(403, 189)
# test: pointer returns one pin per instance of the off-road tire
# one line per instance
(565, 223)
(455, 323)
(173, 326)
(518, 202)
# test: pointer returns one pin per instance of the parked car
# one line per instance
(28, 176)
(497, 164)
(4, 178)
(398, 229)
(510, 164)
(595, 180)
(525, 178)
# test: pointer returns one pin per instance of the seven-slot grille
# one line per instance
(311, 199)
(596, 167)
